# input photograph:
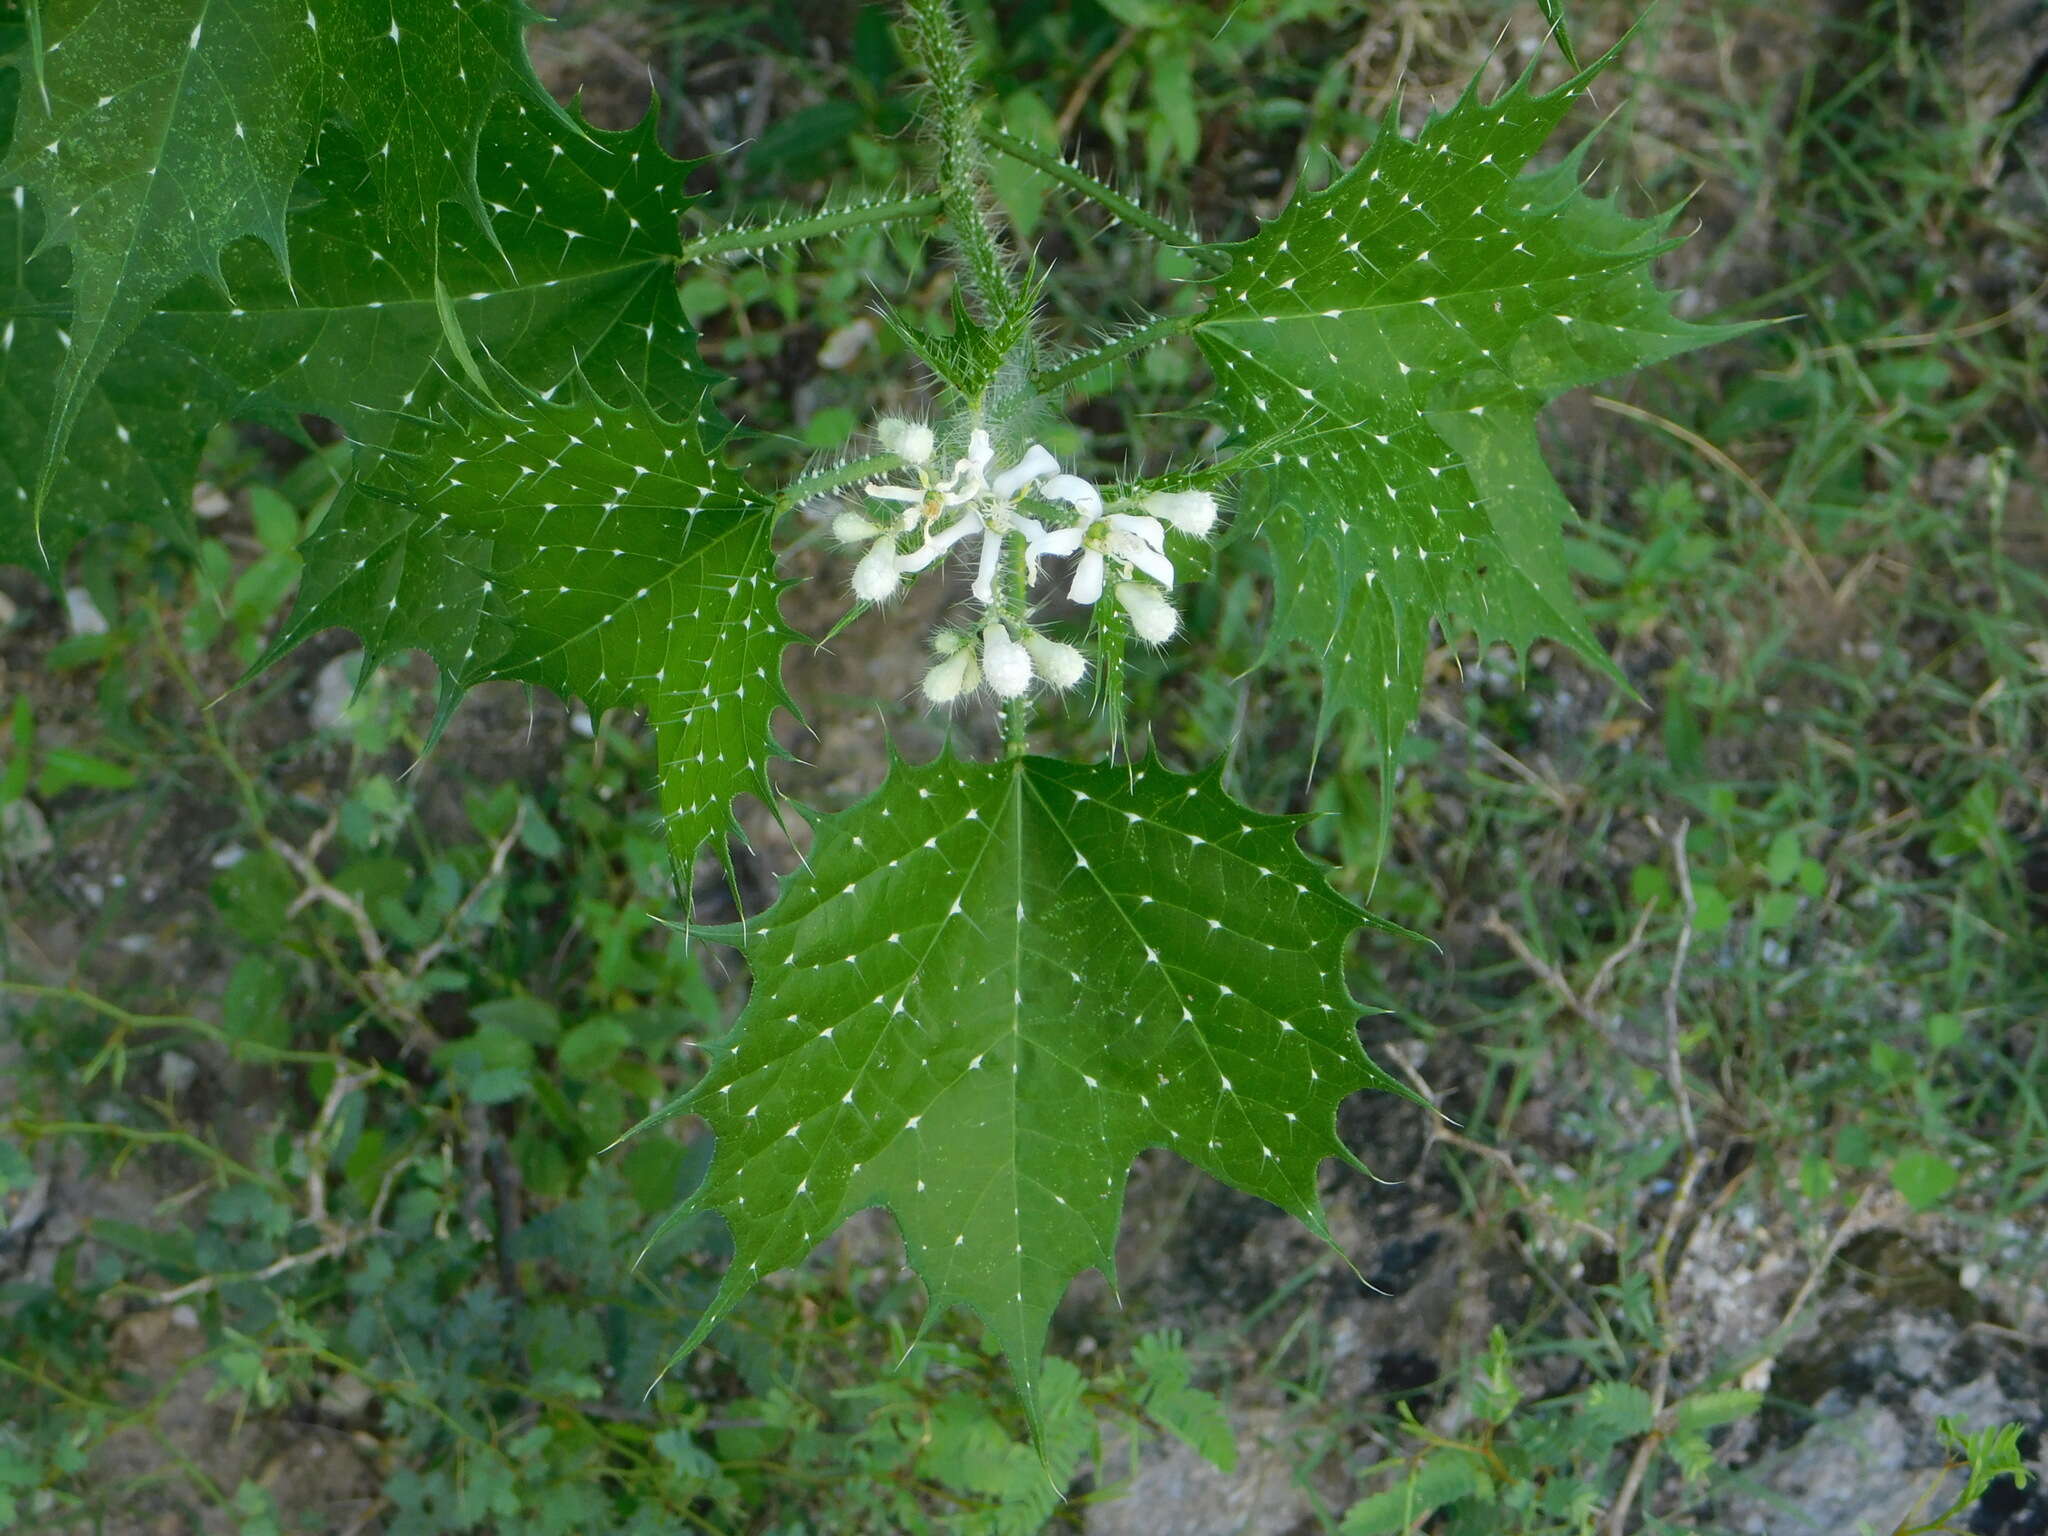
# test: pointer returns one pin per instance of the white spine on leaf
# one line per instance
(877, 577)
(1191, 512)
(1004, 663)
(1059, 663)
(1152, 617)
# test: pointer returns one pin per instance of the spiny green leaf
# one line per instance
(1406, 324)
(578, 267)
(112, 473)
(973, 355)
(581, 542)
(137, 443)
(157, 133)
(994, 985)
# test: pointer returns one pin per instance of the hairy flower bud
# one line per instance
(852, 528)
(952, 676)
(1058, 662)
(1005, 663)
(877, 577)
(910, 441)
(1192, 512)
(1152, 617)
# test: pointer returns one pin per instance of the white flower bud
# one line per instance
(910, 441)
(952, 676)
(1005, 663)
(852, 528)
(1192, 512)
(1152, 617)
(877, 577)
(1058, 662)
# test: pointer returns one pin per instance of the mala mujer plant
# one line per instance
(994, 983)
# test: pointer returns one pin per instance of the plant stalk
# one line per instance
(1157, 329)
(1078, 180)
(833, 477)
(832, 221)
(963, 169)
(1015, 612)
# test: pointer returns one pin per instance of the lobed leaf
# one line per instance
(991, 988)
(584, 543)
(1403, 327)
(158, 133)
(576, 268)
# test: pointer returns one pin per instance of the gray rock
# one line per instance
(1175, 1492)
(1870, 1451)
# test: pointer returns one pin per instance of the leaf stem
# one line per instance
(1157, 329)
(1080, 181)
(832, 221)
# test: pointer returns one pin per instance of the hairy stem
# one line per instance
(1015, 601)
(832, 221)
(1080, 181)
(1136, 340)
(963, 169)
(832, 477)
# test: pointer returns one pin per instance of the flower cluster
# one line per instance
(1117, 548)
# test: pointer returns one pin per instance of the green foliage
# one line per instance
(1989, 1454)
(989, 989)
(1550, 1468)
(1403, 326)
(583, 543)
(1194, 1417)
(157, 135)
(993, 985)
(1860, 995)
(570, 264)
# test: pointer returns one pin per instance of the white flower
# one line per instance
(998, 518)
(1152, 617)
(1134, 543)
(1004, 663)
(1086, 587)
(1191, 512)
(935, 545)
(882, 568)
(1058, 662)
(910, 441)
(1036, 464)
(956, 672)
(930, 498)
(1076, 492)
